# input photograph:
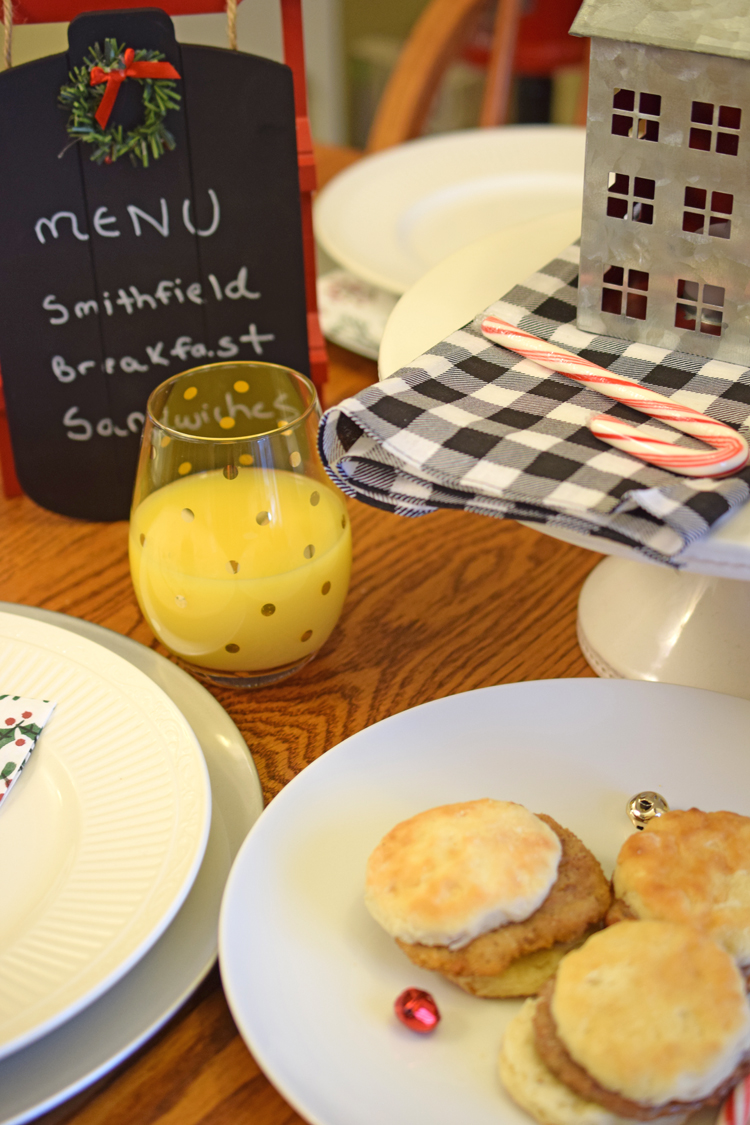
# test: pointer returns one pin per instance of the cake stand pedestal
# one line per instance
(643, 622)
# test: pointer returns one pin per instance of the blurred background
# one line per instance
(351, 48)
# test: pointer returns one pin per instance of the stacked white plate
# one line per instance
(393, 216)
(114, 862)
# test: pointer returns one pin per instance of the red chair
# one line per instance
(54, 11)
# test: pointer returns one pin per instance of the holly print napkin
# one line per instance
(21, 723)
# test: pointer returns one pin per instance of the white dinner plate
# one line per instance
(393, 215)
(103, 835)
(452, 293)
(40, 1077)
(311, 978)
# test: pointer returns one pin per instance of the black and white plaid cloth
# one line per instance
(470, 425)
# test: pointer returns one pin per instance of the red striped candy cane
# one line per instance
(736, 1109)
(729, 450)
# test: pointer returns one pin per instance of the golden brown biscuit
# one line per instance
(693, 867)
(536, 1089)
(647, 1019)
(453, 872)
(578, 899)
(573, 1077)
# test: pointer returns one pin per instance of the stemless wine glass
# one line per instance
(240, 546)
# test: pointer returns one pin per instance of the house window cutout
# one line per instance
(642, 111)
(699, 308)
(710, 125)
(623, 297)
(708, 214)
(628, 197)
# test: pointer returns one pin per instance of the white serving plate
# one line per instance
(394, 215)
(54, 1068)
(103, 834)
(451, 294)
(311, 978)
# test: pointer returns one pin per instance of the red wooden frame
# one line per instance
(52, 11)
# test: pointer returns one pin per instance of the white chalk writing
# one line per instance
(51, 225)
(254, 337)
(102, 221)
(131, 299)
(280, 408)
(214, 224)
(52, 305)
(157, 355)
(136, 214)
(80, 429)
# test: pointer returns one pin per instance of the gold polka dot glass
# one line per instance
(240, 547)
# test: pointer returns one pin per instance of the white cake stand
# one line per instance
(636, 620)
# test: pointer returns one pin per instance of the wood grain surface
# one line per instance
(437, 605)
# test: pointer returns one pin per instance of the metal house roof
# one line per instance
(713, 27)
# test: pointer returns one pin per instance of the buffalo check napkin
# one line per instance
(470, 425)
(21, 723)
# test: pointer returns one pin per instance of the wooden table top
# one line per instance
(437, 605)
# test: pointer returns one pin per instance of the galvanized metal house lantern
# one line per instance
(665, 241)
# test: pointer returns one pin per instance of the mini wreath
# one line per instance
(90, 97)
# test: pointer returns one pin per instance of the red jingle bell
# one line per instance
(417, 1010)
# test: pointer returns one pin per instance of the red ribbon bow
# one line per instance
(115, 79)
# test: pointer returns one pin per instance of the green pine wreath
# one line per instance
(148, 140)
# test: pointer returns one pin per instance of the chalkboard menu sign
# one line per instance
(114, 277)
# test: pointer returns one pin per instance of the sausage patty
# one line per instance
(556, 1058)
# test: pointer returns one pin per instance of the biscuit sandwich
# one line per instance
(693, 867)
(486, 893)
(646, 1020)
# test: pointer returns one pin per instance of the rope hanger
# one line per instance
(8, 25)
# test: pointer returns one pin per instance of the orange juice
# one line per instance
(248, 573)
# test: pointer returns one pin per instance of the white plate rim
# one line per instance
(191, 781)
(117, 1043)
(402, 165)
(457, 289)
(250, 1023)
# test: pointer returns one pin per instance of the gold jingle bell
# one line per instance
(645, 806)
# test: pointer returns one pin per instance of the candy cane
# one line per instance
(729, 450)
(736, 1109)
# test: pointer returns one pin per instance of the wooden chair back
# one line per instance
(434, 42)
